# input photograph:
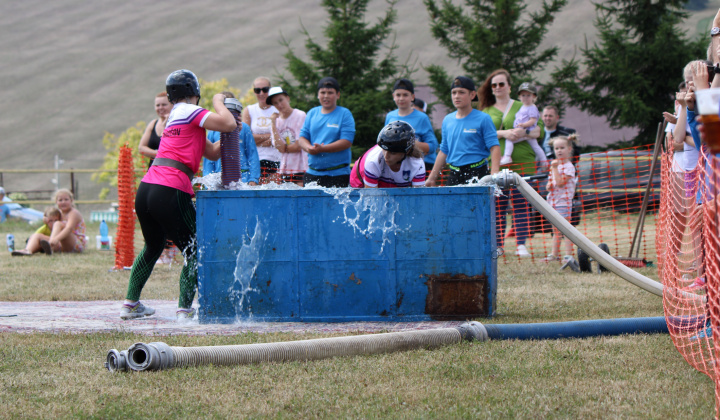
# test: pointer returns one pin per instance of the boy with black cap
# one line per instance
(469, 138)
(404, 97)
(326, 135)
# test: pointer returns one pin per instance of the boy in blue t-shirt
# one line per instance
(404, 97)
(326, 135)
(469, 138)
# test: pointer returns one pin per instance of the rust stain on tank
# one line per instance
(456, 296)
(354, 279)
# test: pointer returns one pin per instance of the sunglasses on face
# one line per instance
(265, 89)
(495, 85)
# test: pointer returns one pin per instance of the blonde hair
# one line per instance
(571, 140)
(52, 211)
(63, 191)
(262, 78)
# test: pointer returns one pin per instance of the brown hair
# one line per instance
(228, 94)
(485, 95)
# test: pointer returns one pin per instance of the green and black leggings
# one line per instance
(165, 213)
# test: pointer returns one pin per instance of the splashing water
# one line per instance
(246, 264)
(213, 182)
(378, 210)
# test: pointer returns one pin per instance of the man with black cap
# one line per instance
(404, 97)
(326, 136)
(469, 138)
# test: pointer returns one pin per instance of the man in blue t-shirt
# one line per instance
(326, 136)
(469, 138)
(404, 97)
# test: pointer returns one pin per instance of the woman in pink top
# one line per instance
(163, 203)
(561, 186)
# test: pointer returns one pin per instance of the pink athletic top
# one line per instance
(183, 140)
(371, 170)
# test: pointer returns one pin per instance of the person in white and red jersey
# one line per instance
(396, 160)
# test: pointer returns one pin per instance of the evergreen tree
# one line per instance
(357, 56)
(631, 75)
(485, 35)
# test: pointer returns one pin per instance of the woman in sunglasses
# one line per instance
(259, 117)
(495, 101)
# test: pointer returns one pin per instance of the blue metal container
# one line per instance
(403, 254)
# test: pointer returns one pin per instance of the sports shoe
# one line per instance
(505, 160)
(705, 333)
(522, 251)
(137, 311)
(184, 315)
(45, 245)
(550, 258)
(569, 261)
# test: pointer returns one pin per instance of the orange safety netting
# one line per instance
(688, 255)
(606, 208)
(125, 243)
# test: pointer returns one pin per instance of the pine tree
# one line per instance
(357, 56)
(485, 35)
(631, 74)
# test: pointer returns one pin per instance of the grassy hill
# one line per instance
(73, 70)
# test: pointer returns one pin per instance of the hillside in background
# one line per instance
(73, 70)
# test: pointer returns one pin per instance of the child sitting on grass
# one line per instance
(561, 186)
(52, 214)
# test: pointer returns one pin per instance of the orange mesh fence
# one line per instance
(606, 207)
(124, 245)
(688, 251)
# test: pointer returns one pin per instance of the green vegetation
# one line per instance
(486, 35)
(360, 56)
(629, 75)
(61, 375)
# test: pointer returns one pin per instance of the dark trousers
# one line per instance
(327, 181)
(465, 174)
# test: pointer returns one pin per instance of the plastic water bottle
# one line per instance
(104, 239)
(11, 242)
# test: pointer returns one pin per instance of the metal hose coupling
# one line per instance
(116, 361)
(505, 179)
(152, 356)
(473, 331)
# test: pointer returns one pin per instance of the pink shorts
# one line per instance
(691, 183)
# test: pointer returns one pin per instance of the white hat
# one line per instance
(2, 190)
(275, 90)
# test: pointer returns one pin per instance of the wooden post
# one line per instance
(637, 237)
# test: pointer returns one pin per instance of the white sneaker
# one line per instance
(184, 315)
(522, 251)
(505, 160)
(137, 311)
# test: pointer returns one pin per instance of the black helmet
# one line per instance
(397, 137)
(182, 84)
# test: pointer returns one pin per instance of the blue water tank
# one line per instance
(403, 254)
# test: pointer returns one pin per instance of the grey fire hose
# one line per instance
(160, 356)
(508, 179)
(230, 146)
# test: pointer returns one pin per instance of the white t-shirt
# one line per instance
(260, 123)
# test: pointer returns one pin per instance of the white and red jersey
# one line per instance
(371, 170)
(184, 141)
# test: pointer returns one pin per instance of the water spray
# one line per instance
(230, 146)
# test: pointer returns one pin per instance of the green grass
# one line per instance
(644, 376)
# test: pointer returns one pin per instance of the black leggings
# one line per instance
(165, 213)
